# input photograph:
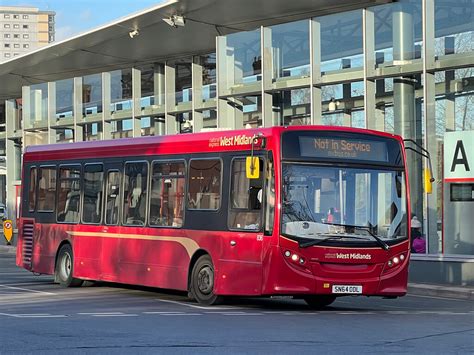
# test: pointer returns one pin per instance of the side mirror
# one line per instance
(428, 181)
(252, 167)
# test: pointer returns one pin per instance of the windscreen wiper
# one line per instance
(379, 241)
(319, 241)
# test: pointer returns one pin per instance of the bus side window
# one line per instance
(93, 191)
(245, 198)
(46, 189)
(204, 184)
(135, 192)
(69, 194)
(167, 194)
(112, 200)
(32, 190)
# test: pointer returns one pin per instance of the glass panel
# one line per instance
(64, 135)
(245, 197)
(292, 107)
(454, 26)
(38, 105)
(92, 94)
(121, 90)
(209, 118)
(46, 189)
(64, 98)
(135, 189)
(343, 105)
(113, 197)
(345, 29)
(208, 63)
(183, 80)
(290, 43)
(32, 190)
(147, 86)
(185, 122)
(167, 194)
(122, 129)
(69, 195)
(204, 186)
(391, 22)
(93, 192)
(92, 132)
(244, 55)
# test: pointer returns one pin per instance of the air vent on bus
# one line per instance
(28, 229)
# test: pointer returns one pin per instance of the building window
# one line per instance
(7, 55)
(16, 54)
(16, 36)
(6, 16)
(16, 16)
(7, 25)
(16, 25)
(26, 36)
(25, 17)
(26, 46)
(7, 45)
(6, 35)
(16, 45)
(25, 26)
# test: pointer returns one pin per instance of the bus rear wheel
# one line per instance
(202, 282)
(64, 268)
(320, 301)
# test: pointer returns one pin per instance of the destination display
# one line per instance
(357, 149)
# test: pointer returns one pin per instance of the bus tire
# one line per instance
(202, 282)
(320, 301)
(64, 268)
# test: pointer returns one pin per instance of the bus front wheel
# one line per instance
(318, 302)
(64, 268)
(202, 282)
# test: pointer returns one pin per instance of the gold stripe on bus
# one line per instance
(190, 245)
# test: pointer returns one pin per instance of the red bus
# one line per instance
(313, 212)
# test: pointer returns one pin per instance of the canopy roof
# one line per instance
(110, 47)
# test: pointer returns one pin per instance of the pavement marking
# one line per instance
(195, 306)
(34, 315)
(100, 313)
(162, 312)
(28, 290)
(183, 314)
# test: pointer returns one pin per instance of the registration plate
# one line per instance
(348, 289)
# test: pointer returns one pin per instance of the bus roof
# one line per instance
(204, 142)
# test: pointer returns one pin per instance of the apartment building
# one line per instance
(24, 29)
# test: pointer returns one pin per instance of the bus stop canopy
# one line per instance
(111, 47)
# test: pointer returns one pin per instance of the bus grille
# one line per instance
(28, 229)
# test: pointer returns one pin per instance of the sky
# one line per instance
(77, 16)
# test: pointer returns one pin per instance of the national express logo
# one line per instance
(237, 140)
(348, 256)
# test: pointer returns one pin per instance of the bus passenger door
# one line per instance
(241, 261)
(111, 241)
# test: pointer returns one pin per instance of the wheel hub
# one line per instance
(205, 280)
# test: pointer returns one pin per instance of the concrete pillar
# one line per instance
(315, 64)
(51, 112)
(136, 102)
(159, 93)
(196, 73)
(404, 101)
(106, 99)
(171, 126)
(77, 110)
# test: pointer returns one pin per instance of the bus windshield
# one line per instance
(320, 202)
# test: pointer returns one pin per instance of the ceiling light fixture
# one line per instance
(134, 33)
(175, 21)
